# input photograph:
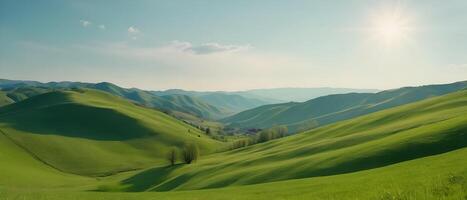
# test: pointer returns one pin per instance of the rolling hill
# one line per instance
(402, 152)
(118, 135)
(4, 99)
(20, 90)
(282, 95)
(434, 177)
(231, 102)
(328, 109)
(429, 127)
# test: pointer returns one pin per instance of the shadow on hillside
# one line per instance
(76, 120)
(148, 178)
(451, 140)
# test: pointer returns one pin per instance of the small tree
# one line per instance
(264, 136)
(172, 156)
(190, 153)
(208, 131)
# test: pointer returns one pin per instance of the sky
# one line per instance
(235, 45)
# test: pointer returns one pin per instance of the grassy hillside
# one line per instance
(333, 108)
(117, 134)
(231, 102)
(194, 106)
(417, 130)
(436, 177)
(21, 170)
(4, 99)
(425, 128)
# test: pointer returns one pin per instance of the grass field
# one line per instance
(88, 132)
(415, 151)
(442, 176)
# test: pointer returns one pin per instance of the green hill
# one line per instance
(20, 90)
(328, 109)
(412, 131)
(117, 134)
(231, 102)
(435, 177)
(298, 94)
(4, 99)
(194, 106)
(414, 151)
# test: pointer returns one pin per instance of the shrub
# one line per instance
(190, 153)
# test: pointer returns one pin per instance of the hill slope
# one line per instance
(299, 94)
(20, 90)
(328, 109)
(231, 102)
(118, 135)
(420, 129)
(435, 177)
(389, 152)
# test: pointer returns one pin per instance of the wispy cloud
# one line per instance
(133, 32)
(102, 27)
(85, 23)
(208, 48)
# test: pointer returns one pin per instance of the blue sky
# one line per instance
(235, 45)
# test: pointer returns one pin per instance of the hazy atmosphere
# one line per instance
(233, 100)
(238, 45)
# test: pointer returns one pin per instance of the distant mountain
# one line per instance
(332, 108)
(192, 105)
(232, 102)
(204, 104)
(20, 90)
(299, 94)
(238, 101)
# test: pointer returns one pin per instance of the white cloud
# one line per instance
(85, 23)
(208, 48)
(133, 30)
(102, 27)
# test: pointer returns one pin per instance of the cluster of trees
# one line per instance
(242, 143)
(272, 133)
(265, 135)
(189, 154)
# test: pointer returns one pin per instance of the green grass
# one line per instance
(415, 151)
(89, 132)
(442, 176)
(404, 133)
(4, 99)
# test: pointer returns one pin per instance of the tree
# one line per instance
(272, 133)
(190, 153)
(264, 136)
(281, 131)
(172, 156)
(208, 131)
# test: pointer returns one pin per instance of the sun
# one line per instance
(391, 28)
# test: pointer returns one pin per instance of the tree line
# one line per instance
(265, 135)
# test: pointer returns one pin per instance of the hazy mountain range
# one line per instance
(209, 105)
(332, 108)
